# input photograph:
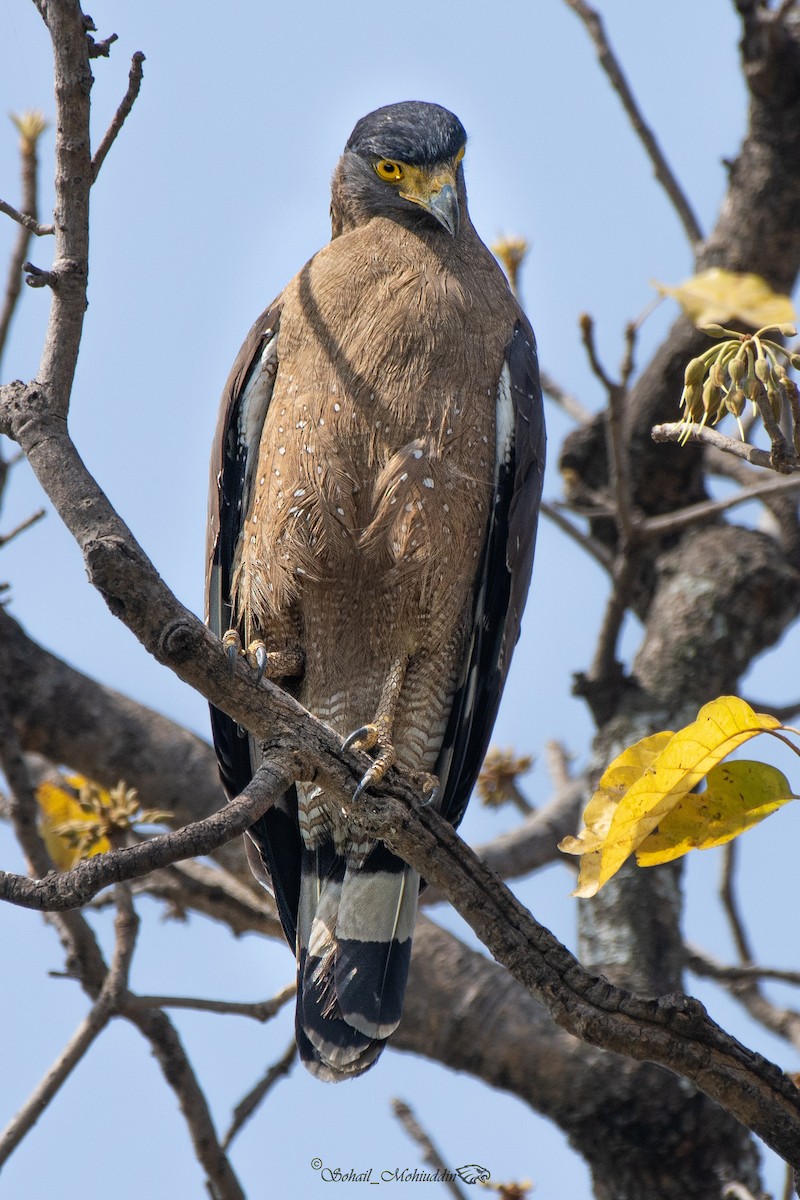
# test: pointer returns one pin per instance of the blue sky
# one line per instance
(214, 195)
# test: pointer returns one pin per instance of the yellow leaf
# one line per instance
(598, 814)
(738, 795)
(58, 804)
(617, 823)
(719, 297)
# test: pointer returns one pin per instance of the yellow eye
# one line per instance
(391, 171)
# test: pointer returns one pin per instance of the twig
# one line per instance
(104, 1008)
(23, 1121)
(605, 655)
(261, 1010)
(675, 431)
(72, 77)
(102, 48)
(702, 964)
(626, 560)
(177, 1069)
(663, 171)
(30, 223)
(592, 548)
(430, 1154)
(216, 893)
(249, 1103)
(730, 904)
(38, 277)
(742, 984)
(559, 761)
(617, 450)
(29, 172)
(5, 538)
(782, 712)
(127, 103)
(565, 400)
(654, 527)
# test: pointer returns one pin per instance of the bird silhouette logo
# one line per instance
(473, 1173)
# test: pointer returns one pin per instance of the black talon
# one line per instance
(261, 662)
(356, 736)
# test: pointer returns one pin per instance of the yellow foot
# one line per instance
(370, 737)
(275, 664)
(428, 784)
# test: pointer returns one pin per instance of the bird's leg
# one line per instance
(377, 735)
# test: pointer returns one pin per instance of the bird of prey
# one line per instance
(375, 487)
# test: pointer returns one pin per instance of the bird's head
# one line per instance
(403, 159)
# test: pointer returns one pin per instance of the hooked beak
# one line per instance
(436, 193)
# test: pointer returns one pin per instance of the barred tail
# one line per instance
(354, 947)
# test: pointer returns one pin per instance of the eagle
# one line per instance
(375, 486)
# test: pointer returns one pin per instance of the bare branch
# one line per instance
(430, 1154)
(168, 1049)
(674, 1031)
(127, 103)
(38, 277)
(702, 964)
(260, 1010)
(192, 886)
(70, 889)
(730, 904)
(249, 1103)
(693, 513)
(565, 400)
(27, 1116)
(30, 223)
(742, 984)
(5, 538)
(73, 179)
(592, 548)
(612, 68)
(106, 1005)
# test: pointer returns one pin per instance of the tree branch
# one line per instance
(62, 891)
(608, 61)
(126, 104)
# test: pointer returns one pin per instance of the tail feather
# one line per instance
(377, 913)
(354, 947)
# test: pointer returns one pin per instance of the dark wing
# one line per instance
(234, 460)
(505, 572)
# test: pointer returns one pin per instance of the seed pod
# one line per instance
(712, 397)
(695, 372)
(735, 401)
(715, 331)
(762, 370)
(787, 330)
(737, 369)
(692, 400)
(776, 397)
(717, 373)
